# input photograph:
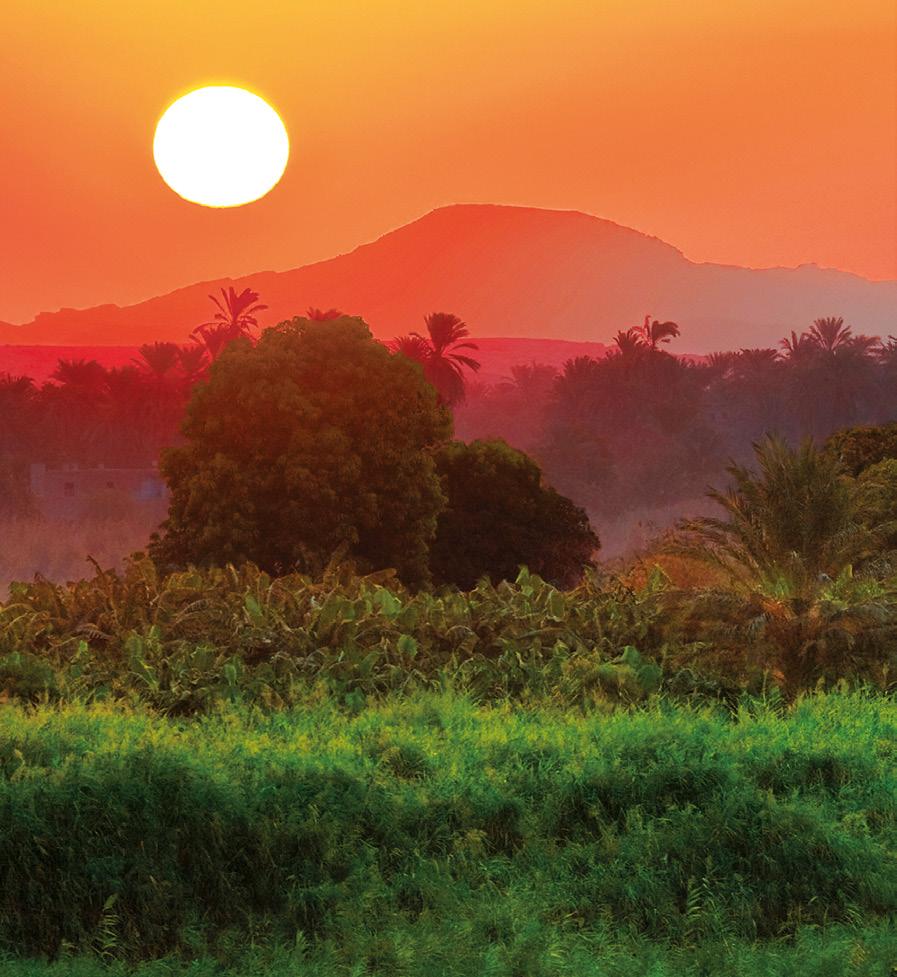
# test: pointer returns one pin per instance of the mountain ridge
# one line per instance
(516, 272)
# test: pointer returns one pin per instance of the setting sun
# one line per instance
(221, 146)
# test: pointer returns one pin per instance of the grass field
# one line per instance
(430, 835)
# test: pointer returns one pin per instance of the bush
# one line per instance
(877, 500)
(501, 516)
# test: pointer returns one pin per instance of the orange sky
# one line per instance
(758, 133)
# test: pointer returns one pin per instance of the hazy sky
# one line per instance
(758, 133)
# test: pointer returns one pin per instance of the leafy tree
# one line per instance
(500, 515)
(314, 441)
(858, 448)
(438, 354)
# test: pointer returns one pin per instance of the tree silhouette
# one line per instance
(86, 378)
(630, 344)
(235, 318)
(193, 361)
(158, 360)
(833, 338)
(798, 349)
(438, 354)
(653, 333)
(322, 315)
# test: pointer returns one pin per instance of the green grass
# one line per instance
(429, 834)
(431, 952)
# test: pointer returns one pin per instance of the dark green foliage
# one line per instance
(876, 494)
(501, 516)
(792, 520)
(429, 823)
(857, 448)
(791, 536)
(314, 441)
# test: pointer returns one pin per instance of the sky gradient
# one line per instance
(761, 133)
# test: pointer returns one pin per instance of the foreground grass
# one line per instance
(429, 834)
(422, 952)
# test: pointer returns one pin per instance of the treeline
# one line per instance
(641, 427)
(637, 428)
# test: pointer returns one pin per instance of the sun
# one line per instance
(221, 146)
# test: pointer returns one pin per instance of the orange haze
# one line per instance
(757, 132)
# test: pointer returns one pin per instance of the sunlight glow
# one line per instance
(221, 146)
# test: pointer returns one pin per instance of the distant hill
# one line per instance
(513, 272)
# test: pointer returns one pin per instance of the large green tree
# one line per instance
(314, 441)
(501, 515)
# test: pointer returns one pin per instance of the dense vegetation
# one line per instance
(431, 834)
(683, 765)
(643, 429)
(637, 429)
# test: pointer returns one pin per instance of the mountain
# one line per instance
(510, 272)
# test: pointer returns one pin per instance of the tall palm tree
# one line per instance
(438, 354)
(236, 317)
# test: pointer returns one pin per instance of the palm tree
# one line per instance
(84, 377)
(653, 333)
(235, 318)
(322, 315)
(630, 344)
(193, 361)
(532, 380)
(833, 338)
(413, 346)
(158, 360)
(720, 363)
(786, 524)
(788, 541)
(438, 354)
(798, 349)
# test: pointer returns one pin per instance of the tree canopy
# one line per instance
(314, 441)
(501, 515)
